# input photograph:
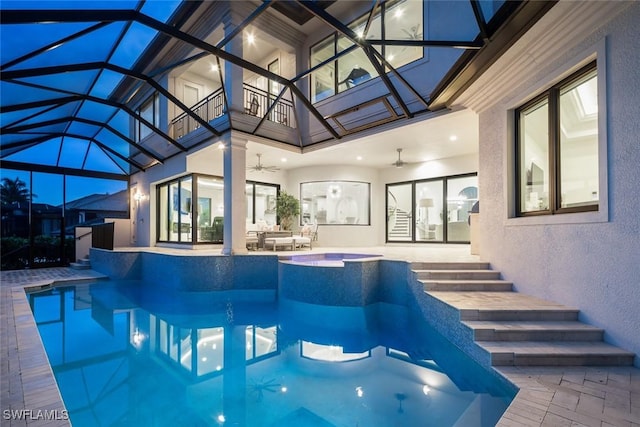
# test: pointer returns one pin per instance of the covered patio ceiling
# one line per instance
(67, 74)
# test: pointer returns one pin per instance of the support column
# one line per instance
(235, 199)
(234, 74)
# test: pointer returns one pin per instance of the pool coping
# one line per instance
(547, 396)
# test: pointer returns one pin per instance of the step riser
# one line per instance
(547, 335)
(76, 266)
(560, 360)
(458, 275)
(468, 287)
(449, 265)
(536, 315)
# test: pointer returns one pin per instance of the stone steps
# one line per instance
(565, 353)
(82, 264)
(467, 285)
(513, 328)
(533, 331)
(461, 274)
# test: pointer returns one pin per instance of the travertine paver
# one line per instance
(29, 395)
(548, 396)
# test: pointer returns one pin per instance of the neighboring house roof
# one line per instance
(101, 202)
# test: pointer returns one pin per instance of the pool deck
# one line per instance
(548, 396)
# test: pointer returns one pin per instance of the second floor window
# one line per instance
(149, 111)
(557, 148)
(394, 20)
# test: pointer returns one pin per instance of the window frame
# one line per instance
(154, 101)
(552, 96)
(381, 14)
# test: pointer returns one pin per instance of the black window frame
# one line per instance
(552, 96)
(154, 100)
(336, 35)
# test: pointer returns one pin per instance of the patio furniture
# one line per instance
(279, 242)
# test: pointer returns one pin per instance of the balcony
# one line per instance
(256, 103)
(209, 108)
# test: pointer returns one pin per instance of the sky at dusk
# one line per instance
(48, 188)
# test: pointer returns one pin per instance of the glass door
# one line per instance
(462, 194)
(400, 212)
(429, 208)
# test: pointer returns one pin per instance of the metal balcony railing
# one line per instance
(257, 102)
(208, 109)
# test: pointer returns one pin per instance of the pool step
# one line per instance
(533, 331)
(467, 285)
(462, 274)
(82, 264)
(556, 353)
(471, 265)
(516, 329)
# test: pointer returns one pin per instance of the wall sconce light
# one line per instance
(138, 197)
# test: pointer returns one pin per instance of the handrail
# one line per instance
(257, 103)
(209, 108)
(199, 104)
(84, 235)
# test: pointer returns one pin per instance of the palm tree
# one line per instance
(14, 191)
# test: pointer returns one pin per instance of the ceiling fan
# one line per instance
(399, 163)
(259, 167)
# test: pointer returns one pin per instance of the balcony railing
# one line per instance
(208, 109)
(257, 102)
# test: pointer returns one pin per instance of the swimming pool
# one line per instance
(125, 354)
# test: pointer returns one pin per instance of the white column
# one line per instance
(235, 199)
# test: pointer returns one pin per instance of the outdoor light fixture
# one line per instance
(138, 197)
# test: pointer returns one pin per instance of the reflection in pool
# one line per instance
(124, 353)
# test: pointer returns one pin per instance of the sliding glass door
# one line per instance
(400, 212)
(429, 208)
(434, 210)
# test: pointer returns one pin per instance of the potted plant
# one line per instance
(287, 208)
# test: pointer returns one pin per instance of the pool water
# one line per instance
(125, 353)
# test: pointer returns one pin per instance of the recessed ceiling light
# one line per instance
(251, 38)
(398, 13)
(221, 146)
(453, 138)
(390, 57)
(283, 160)
(359, 158)
(214, 67)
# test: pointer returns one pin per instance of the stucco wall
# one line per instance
(345, 235)
(592, 266)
